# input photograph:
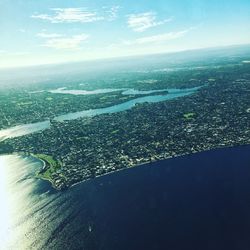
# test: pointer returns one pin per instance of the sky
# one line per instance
(34, 32)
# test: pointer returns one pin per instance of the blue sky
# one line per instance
(53, 31)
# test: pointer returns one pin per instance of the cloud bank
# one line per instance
(143, 21)
(77, 15)
(57, 41)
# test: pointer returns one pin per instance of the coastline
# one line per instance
(150, 162)
(179, 185)
(46, 165)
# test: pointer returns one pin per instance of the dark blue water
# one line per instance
(200, 201)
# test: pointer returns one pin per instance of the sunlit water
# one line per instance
(64, 90)
(125, 91)
(22, 130)
(198, 201)
(5, 205)
(22, 196)
(124, 106)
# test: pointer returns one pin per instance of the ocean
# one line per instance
(198, 201)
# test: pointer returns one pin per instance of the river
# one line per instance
(124, 91)
(198, 201)
(25, 129)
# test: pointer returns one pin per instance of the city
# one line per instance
(216, 116)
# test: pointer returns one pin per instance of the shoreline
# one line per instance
(149, 162)
(47, 165)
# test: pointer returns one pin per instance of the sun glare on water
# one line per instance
(4, 206)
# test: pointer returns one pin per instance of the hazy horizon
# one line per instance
(136, 56)
(60, 31)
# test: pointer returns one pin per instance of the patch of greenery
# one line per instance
(52, 166)
(189, 116)
(25, 103)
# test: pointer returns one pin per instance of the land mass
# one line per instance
(217, 115)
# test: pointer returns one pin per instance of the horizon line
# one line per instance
(119, 57)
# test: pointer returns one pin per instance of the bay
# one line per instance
(198, 201)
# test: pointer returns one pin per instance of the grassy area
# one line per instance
(25, 103)
(189, 116)
(52, 166)
(115, 131)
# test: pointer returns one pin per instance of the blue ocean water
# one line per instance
(199, 201)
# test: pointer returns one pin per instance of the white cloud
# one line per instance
(74, 15)
(68, 43)
(157, 38)
(143, 21)
(69, 15)
(48, 35)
